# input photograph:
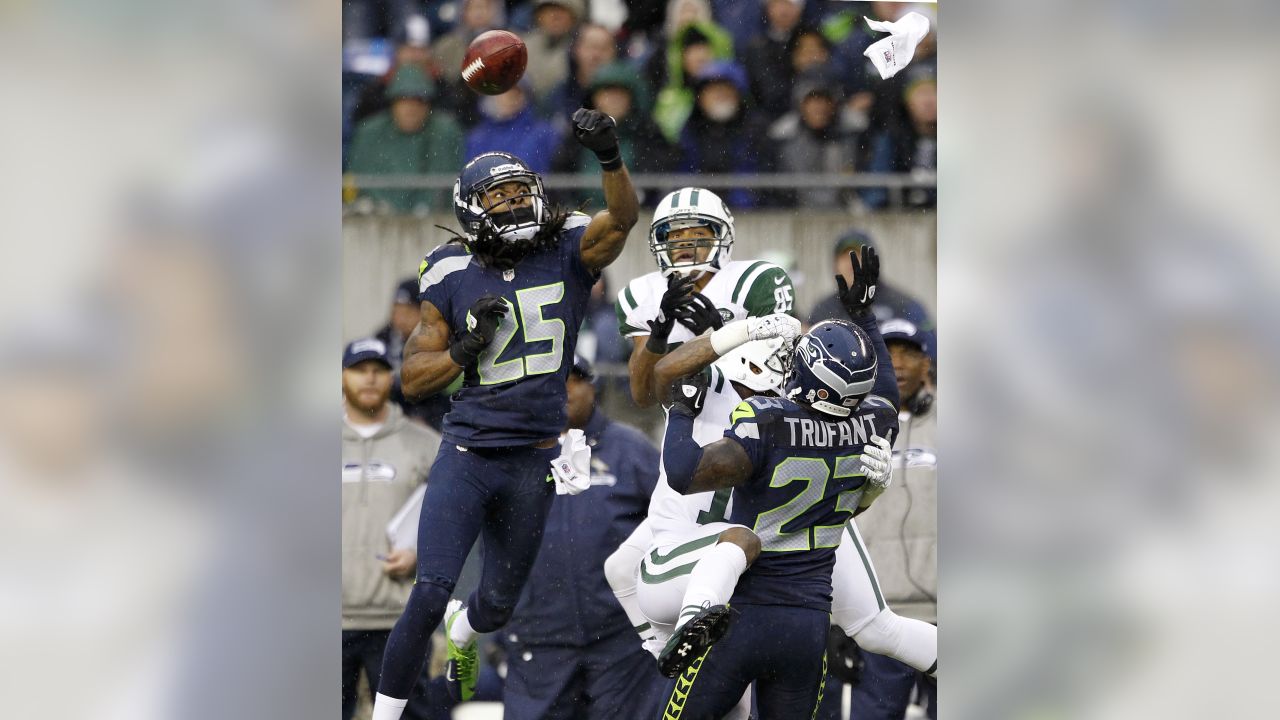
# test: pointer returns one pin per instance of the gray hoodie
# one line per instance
(378, 476)
(901, 528)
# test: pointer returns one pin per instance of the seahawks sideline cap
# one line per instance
(904, 330)
(365, 349)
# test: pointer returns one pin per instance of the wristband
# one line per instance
(611, 163)
(729, 337)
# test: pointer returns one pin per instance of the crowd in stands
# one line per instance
(697, 86)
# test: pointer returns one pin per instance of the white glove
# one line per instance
(572, 470)
(877, 463)
(778, 325)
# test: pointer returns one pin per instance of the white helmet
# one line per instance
(760, 364)
(692, 207)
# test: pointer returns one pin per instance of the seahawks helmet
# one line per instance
(832, 368)
(691, 207)
(760, 364)
(511, 224)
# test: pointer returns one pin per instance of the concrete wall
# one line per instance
(379, 251)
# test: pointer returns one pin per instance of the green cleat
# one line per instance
(464, 665)
(693, 639)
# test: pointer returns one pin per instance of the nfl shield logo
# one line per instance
(508, 275)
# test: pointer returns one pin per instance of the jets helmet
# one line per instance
(760, 364)
(832, 368)
(691, 207)
(487, 171)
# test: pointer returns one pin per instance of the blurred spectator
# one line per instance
(890, 302)
(477, 16)
(548, 43)
(742, 18)
(410, 137)
(411, 49)
(385, 457)
(364, 19)
(616, 90)
(814, 138)
(808, 49)
(910, 148)
(405, 313)
(768, 60)
(571, 652)
(902, 532)
(723, 135)
(690, 39)
(601, 326)
(593, 48)
(511, 126)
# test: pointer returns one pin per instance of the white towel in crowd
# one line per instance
(891, 54)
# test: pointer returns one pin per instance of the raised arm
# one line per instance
(431, 362)
(857, 299)
(698, 353)
(690, 467)
(603, 239)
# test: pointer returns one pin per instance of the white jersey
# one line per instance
(743, 288)
(671, 512)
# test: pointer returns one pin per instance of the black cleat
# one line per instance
(693, 639)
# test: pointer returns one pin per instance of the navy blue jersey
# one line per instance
(515, 393)
(806, 483)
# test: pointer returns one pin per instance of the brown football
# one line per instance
(494, 62)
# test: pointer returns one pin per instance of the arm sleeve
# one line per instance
(886, 385)
(680, 452)
(771, 292)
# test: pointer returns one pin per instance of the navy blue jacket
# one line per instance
(567, 601)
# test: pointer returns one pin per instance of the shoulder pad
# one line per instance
(576, 220)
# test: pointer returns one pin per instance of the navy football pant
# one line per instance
(783, 649)
(500, 494)
(612, 679)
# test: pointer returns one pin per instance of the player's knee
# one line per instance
(493, 611)
(880, 636)
(745, 539)
(620, 568)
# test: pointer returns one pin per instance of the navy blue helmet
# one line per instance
(832, 368)
(511, 224)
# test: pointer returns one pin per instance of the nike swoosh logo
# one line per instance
(779, 280)
(448, 674)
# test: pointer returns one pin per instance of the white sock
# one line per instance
(712, 580)
(911, 641)
(461, 632)
(620, 571)
(388, 708)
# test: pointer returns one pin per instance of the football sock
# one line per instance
(620, 571)
(461, 632)
(911, 641)
(387, 708)
(713, 579)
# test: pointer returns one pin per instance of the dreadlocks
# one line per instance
(489, 247)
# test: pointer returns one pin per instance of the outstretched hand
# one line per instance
(858, 296)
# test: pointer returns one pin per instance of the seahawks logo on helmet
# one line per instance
(833, 368)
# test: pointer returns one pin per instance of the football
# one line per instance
(494, 62)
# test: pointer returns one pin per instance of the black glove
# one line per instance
(485, 316)
(844, 657)
(597, 132)
(857, 298)
(688, 394)
(679, 288)
(699, 314)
